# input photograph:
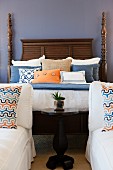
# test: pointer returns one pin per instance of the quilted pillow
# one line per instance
(26, 75)
(107, 93)
(63, 65)
(32, 62)
(9, 97)
(47, 76)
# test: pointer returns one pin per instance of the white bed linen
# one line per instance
(73, 99)
(16, 149)
(101, 150)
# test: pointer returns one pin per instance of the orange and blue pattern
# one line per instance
(107, 93)
(9, 97)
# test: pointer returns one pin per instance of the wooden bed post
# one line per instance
(10, 52)
(103, 49)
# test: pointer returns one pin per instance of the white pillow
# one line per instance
(73, 77)
(95, 60)
(32, 62)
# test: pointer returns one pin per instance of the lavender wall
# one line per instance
(55, 19)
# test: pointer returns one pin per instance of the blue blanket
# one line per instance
(51, 86)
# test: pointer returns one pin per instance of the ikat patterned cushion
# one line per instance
(9, 97)
(26, 75)
(107, 93)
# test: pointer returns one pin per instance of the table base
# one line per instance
(65, 161)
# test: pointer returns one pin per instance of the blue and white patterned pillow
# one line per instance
(26, 75)
(9, 97)
(15, 72)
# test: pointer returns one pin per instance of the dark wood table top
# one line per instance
(65, 112)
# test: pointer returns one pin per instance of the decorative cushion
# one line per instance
(47, 76)
(88, 71)
(95, 68)
(26, 75)
(9, 97)
(63, 65)
(15, 72)
(32, 62)
(95, 71)
(107, 93)
(73, 77)
(95, 60)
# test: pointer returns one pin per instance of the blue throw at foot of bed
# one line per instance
(51, 86)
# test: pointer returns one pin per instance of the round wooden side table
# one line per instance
(60, 142)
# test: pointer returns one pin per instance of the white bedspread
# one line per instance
(15, 147)
(73, 99)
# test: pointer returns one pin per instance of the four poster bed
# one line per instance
(60, 49)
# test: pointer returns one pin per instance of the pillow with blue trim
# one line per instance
(88, 71)
(9, 97)
(15, 72)
(107, 93)
(73, 77)
(26, 75)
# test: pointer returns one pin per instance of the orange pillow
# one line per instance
(47, 76)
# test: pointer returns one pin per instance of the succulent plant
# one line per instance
(57, 96)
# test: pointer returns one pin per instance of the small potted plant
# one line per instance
(59, 101)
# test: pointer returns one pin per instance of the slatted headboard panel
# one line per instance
(56, 48)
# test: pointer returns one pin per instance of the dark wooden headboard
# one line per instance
(56, 48)
(60, 48)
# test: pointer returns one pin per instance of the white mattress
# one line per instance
(13, 143)
(73, 99)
